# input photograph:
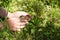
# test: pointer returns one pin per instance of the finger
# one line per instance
(20, 13)
(10, 15)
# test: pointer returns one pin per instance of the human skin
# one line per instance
(18, 20)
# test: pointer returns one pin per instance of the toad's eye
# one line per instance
(22, 18)
(28, 17)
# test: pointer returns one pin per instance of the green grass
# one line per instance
(45, 24)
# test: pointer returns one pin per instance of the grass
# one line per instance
(44, 26)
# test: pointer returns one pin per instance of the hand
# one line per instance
(18, 20)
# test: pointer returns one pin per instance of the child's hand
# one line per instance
(18, 20)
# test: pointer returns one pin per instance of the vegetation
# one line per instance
(45, 24)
